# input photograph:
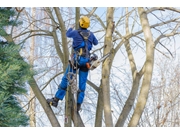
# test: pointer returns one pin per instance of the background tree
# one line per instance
(14, 73)
(163, 101)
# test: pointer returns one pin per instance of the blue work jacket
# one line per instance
(78, 40)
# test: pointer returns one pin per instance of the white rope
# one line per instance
(72, 82)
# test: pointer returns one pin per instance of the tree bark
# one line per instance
(99, 109)
(77, 17)
(75, 115)
(49, 112)
(63, 37)
(32, 108)
(135, 77)
(106, 68)
(142, 99)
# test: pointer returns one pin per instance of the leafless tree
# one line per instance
(124, 32)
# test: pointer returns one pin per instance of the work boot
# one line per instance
(53, 101)
(78, 107)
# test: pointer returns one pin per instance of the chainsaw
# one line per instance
(96, 62)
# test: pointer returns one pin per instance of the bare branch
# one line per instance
(90, 13)
(93, 85)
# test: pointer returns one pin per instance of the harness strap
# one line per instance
(85, 36)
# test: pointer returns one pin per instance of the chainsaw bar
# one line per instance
(96, 63)
(104, 57)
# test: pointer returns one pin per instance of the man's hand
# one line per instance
(73, 26)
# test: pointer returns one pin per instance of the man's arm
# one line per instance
(95, 41)
(70, 32)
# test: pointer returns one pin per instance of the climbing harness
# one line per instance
(84, 51)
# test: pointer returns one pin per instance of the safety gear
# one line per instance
(78, 40)
(53, 101)
(82, 55)
(64, 83)
(79, 62)
(84, 22)
(85, 36)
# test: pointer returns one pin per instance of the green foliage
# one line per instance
(6, 19)
(14, 73)
(11, 114)
(13, 70)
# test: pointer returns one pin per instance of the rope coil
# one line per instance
(72, 82)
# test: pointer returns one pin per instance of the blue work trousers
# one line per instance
(64, 84)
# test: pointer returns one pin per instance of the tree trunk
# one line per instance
(63, 37)
(106, 68)
(32, 108)
(142, 99)
(135, 77)
(77, 17)
(99, 109)
(75, 118)
(49, 112)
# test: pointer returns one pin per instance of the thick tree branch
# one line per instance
(63, 37)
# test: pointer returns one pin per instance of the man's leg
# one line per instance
(61, 92)
(82, 86)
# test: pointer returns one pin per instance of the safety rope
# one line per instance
(72, 78)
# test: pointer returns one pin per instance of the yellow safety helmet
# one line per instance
(84, 22)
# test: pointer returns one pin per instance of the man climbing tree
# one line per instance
(14, 72)
(83, 41)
